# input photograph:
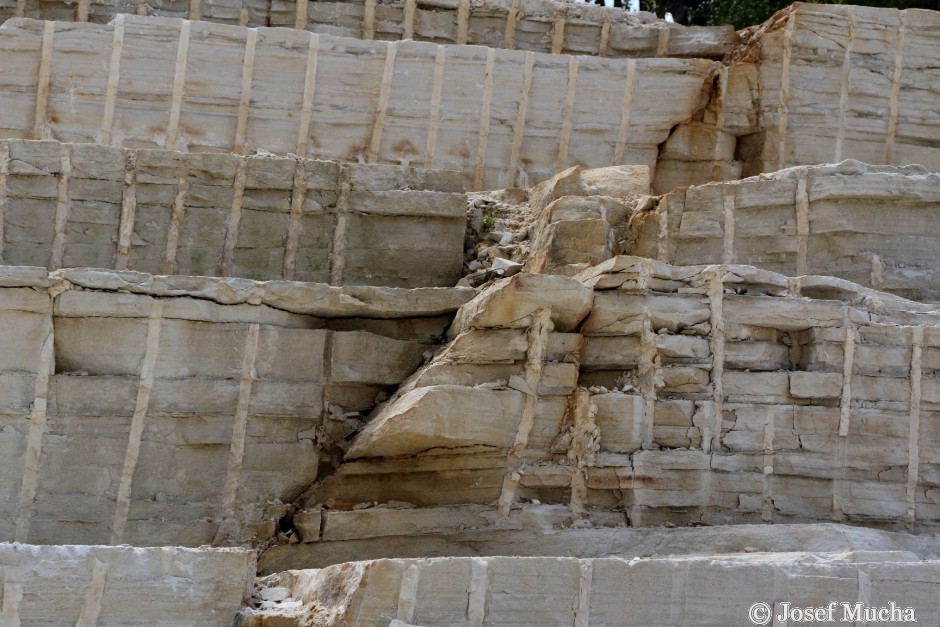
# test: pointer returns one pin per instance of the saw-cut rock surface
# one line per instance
(849, 82)
(536, 25)
(684, 394)
(162, 417)
(500, 117)
(716, 590)
(103, 585)
(874, 225)
(546, 531)
(259, 217)
(233, 230)
(816, 84)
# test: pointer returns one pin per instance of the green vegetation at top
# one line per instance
(744, 13)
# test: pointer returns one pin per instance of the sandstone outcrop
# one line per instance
(595, 320)
(536, 25)
(695, 394)
(815, 84)
(847, 82)
(103, 585)
(873, 225)
(110, 376)
(500, 117)
(258, 217)
(602, 591)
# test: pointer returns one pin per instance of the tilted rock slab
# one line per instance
(873, 225)
(686, 394)
(716, 590)
(499, 117)
(536, 25)
(259, 217)
(102, 585)
(140, 410)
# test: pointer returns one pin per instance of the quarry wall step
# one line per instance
(103, 585)
(472, 531)
(873, 225)
(535, 25)
(500, 117)
(849, 82)
(816, 84)
(717, 590)
(692, 394)
(208, 214)
(163, 416)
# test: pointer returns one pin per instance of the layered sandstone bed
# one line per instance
(212, 334)
(816, 84)
(204, 214)
(103, 585)
(500, 117)
(600, 591)
(118, 385)
(715, 394)
(536, 25)
(874, 225)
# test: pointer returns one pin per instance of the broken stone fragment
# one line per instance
(307, 525)
(614, 181)
(567, 247)
(274, 595)
(317, 299)
(505, 267)
(510, 303)
(412, 423)
(816, 384)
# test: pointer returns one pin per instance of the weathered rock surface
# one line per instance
(313, 299)
(548, 438)
(537, 25)
(117, 386)
(815, 84)
(513, 303)
(260, 217)
(103, 585)
(578, 215)
(226, 88)
(686, 394)
(472, 531)
(873, 225)
(569, 591)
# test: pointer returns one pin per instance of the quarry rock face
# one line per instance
(868, 224)
(422, 313)
(475, 591)
(108, 585)
(500, 117)
(256, 217)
